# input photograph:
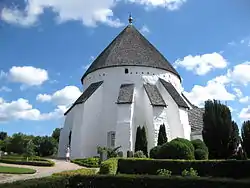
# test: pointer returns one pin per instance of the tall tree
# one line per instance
(162, 136)
(235, 139)
(138, 143)
(245, 134)
(144, 141)
(56, 134)
(3, 135)
(217, 129)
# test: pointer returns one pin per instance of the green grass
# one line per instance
(15, 170)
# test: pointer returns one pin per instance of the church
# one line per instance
(129, 84)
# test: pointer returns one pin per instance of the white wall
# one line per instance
(185, 123)
(124, 127)
(99, 114)
(196, 135)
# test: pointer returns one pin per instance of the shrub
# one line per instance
(211, 168)
(164, 172)
(83, 171)
(33, 162)
(175, 150)
(200, 154)
(154, 152)
(126, 181)
(199, 144)
(92, 162)
(139, 154)
(189, 173)
(185, 141)
(109, 166)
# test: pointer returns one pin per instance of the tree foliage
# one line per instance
(141, 143)
(3, 135)
(162, 136)
(56, 134)
(218, 131)
(245, 134)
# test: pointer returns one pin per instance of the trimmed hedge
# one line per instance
(43, 162)
(109, 166)
(222, 168)
(127, 181)
(83, 171)
(92, 162)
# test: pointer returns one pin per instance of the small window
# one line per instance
(136, 73)
(126, 71)
(142, 72)
(103, 74)
(130, 72)
(153, 73)
(147, 72)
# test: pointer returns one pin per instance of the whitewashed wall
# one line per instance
(185, 123)
(124, 127)
(196, 135)
(99, 115)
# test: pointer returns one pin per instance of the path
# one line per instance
(60, 166)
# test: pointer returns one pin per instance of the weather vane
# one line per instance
(130, 19)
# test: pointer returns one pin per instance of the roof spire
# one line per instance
(130, 19)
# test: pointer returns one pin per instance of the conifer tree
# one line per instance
(138, 142)
(144, 141)
(217, 129)
(162, 136)
(235, 139)
(245, 134)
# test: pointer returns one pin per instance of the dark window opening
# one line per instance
(126, 71)
(147, 72)
(103, 74)
(142, 73)
(136, 73)
(70, 133)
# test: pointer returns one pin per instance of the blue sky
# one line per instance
(47, 45)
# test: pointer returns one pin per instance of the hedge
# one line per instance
(92, 162)
(127, 181)
(83, 171)
(223, 168)
(109, 166)
(43, 162)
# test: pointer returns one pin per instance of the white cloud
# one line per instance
(27, 75)
(213, 90)
(21, 109)
(88, 12)
(245, 113)
(244, 99)
(5, 89)
(169, 4)
(238, 92)
(63, 97)
(202, 64)
(144, 29)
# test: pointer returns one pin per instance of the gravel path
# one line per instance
(60, 165)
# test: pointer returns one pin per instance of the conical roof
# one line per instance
(130, 48)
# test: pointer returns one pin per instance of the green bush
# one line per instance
(189, 173)
(154, 152)
(126, 181)
(164, 172)
(199, 144)
(175, 150)
(185, 141)
(200, 154)
(139, 154)
(83, 171)
(109, 166)
(31, 162)
(205, 168)
(92, 162)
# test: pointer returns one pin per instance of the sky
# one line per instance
(47, 45)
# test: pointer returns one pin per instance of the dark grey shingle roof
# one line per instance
(154, 95)
(126, 94)
(85, 95)
(195, 117)
(174, 94)
(130, 48)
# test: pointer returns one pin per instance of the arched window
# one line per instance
(126, 71)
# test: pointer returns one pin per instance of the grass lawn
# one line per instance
(15, 170)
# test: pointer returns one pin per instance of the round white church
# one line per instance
(129, 84)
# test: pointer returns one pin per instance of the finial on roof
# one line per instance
(130, 19)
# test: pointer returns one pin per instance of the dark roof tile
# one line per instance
(154, 95)
(85, 95)
(195, 117)
(174, 94)
(126, 94)
(130, 48)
